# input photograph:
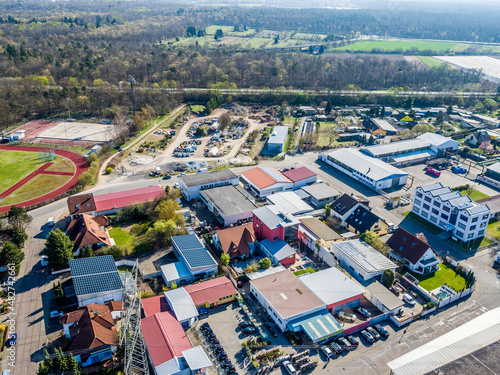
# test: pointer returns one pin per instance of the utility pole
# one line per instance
(132, 82)
(69, 112)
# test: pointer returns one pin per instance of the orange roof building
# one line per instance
(264, 181)
(86, 230)
(237, 242)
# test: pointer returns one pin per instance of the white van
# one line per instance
(289, 368)
(409, 299)
(51, 222)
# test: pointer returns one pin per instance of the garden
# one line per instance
(447, 274)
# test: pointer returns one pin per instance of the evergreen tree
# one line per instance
(11, 254)
(18, 216)
(328, 108)
(58, 248)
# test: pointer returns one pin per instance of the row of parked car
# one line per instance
(370, 334)
(217, 349)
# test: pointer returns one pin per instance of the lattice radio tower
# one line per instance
(135, 359)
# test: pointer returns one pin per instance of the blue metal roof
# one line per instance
(318, 326)
(280, 249)
(95, 275)
(193, 251)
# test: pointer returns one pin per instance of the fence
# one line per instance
(130, 263)
(356, 328)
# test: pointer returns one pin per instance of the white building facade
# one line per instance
(192, 184)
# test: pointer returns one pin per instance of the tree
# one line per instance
(19, 236)
(449, 110)
(408, 103)
(11, 254)
(265, 263)
(382, 114)
(73, 365)
(388, 278)
(328, 108)
(224, 258)
(168, 209)
(58, 248)
(225, 121)
(321, 49)
(161, 232)
(420, 128)
(18, 216)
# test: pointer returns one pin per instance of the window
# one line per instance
(461, 226)
(480, 233)
(463, 217)
(446, 217)
(435, 212)
(425, 214)
(437, 204)
(473, 227)
(419, 194)
(428, 199)
(426, 206)
(470, 235)
(417, 202)
(486, 216)
(446, 209)
(483, 224)
(416, 210)
(459, 234)
(475, 219)
(434, 219)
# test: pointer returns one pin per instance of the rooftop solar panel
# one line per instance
(90, 266)
(193, 251)
(95, 275)
(189, 241)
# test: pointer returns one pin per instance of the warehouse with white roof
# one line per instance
(361, 260)
(370, 171)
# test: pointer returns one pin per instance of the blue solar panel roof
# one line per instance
(95, 275)
(193, 251)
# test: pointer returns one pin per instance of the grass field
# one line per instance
(37, 186)
(431, 62)
(446, 274)
(475, 195)
(197, 108)
(61, 165)
(493, 230)
(15, 165)
(392, 45)
(130, 237)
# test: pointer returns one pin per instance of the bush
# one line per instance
(109, 170)
(388, 278)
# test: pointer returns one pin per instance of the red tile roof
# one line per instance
(211, 290)
(164, 337)
(127, 198)
(85, 230)
(154, 305)
(260, 178)
(93, 327)
(298, 174)
(234, 240)
(79, 204)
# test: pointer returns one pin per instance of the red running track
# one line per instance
(81, 165)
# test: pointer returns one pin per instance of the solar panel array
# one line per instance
(193, 251)
(95, 275)
(365, 256)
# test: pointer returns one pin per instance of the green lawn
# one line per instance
(485, 242)
(431, 62)
(15, 165)
(392, 45)
(197, 108)
(131, 237)
(476, 195)
(37, 186)
(493, 230)
(301, 272)
(446, 274)
(122, 237)
(490, 49)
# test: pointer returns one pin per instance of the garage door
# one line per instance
(338, 309)
(353, 304)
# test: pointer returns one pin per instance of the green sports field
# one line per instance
(15, 166)
(393, 45)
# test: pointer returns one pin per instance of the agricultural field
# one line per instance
(310, 36)
(431, 62)
(489, 65)
(393, 45)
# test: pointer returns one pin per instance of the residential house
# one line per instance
(379, 127)
(313, 232)
(92, 332)
(414, 252)
(475, 139)
(238, 242)
(279, 252)
(319, 195)
(362, 220)
(344, 206)
(212, 293)
(79, 204)
(87, 231)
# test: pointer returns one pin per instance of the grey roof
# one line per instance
(303, 194)
(494, 168)
(95, 275)
(331, 285)
(196, 358)
(459, 342)
(274, 216)
(374, 168)
(319, 229)
(269, 271)
(365, 256)
(437, 185)
(449, 196)
(479, 208)
(320, 191)
(441, 191)
(193, 251)
(181, 303)
(395, 147)
(291, 202)
(279, 249)
(437, 139)
(230, 200)
(275, 175)
(464, 199)
(384, 125)
(208, 177)
(384, 295)
(279, 135)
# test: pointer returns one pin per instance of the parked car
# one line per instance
(218, 349)
(167, 177)
(382, 330)
(289, 368)
(214, 343)
(44, 261)
(51, 222)
(230, 369)
(327, 351)
(345, 344)
(225, 363)
(364, 312)
(348, 317)
(248, 330)
(353, 340)
(373, 332)
(181, 175)
(211, 336)
(56, 314)
(204, 326)
(221, 356)
(367, 336)
(207, 331)
(244, 324)
(409, 299)
(336, 348)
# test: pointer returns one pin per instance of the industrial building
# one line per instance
(319, 195)
(301, 177)
(291, 202)
(192, 184)
(370, 171)
(277, 140)
(264, 181)
(451, 211)
(230, 204)
(361, 260)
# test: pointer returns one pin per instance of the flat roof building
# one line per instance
(264, 181)
(192, 184)
(370, 171)
(301, 177)
(383, 298)
(230, 204)
(361, 260)
(291, 202)
(319, 195)
(277, 140)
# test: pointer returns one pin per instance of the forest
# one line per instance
(80, 54)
